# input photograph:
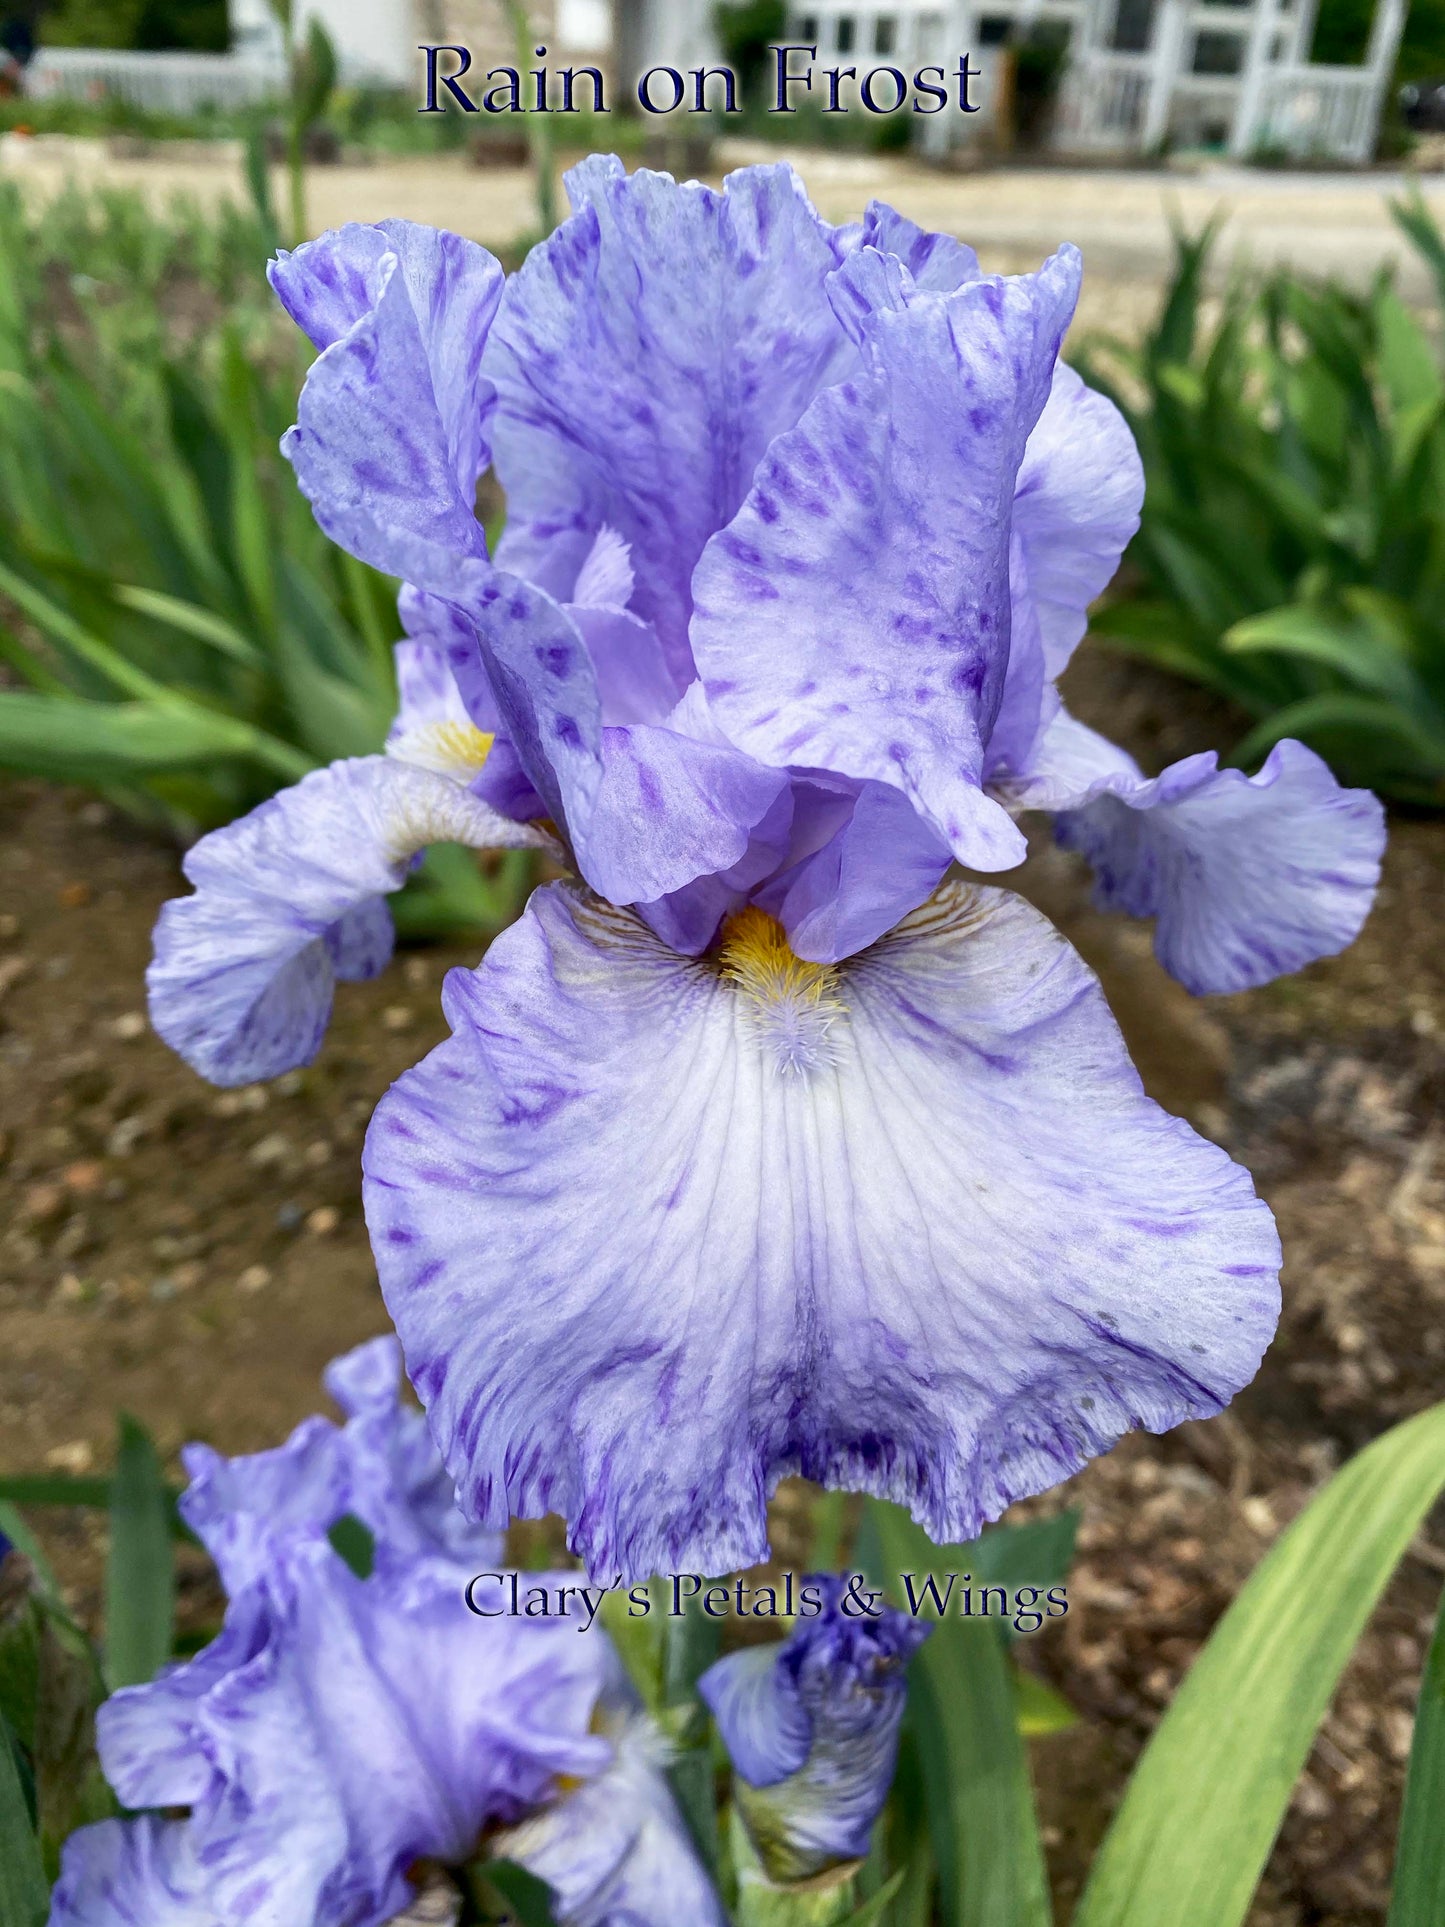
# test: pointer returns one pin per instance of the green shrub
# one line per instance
(1292, 552)
(177, 631)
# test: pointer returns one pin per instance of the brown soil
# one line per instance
(196, 1257)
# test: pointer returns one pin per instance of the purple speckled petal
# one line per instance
(644, 357)
(854, 616)
(812, 1726)
(360, 942)
(242, 977)
(760, 1714)
(657, 1232)
(132, 1873)
(1249, 877)
(391, 429)
(673, 805)
(341, 1729)
(615, 1852)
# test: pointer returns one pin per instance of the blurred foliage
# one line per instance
(746, 33)
(1292, 550)
(175, 630)
(202, 26)
(1342, 32)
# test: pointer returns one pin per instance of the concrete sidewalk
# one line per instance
(1334, 224)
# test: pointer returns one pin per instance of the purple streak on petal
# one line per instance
(642, 1269)
(644, 358)
(1249, 877)
(286, 899)
(391, 429)
(854, 616)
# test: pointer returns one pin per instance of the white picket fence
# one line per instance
(158, 83)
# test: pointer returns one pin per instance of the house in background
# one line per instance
(376, 42)
(1134, 76)
(1138, 75)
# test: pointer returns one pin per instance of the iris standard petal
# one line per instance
(241, 980)
(1248, 877)
(764, 1724)
(657, 1232)
(391, 430)
(644, 357)
(811, 1727)
(854, 616)
(132, 1873)
(1076, 508)
(880, 863)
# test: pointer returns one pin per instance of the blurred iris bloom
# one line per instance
(346, 1735)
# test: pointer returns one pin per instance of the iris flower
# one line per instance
(765, 1143)
(342, 1733)
(811, 1727)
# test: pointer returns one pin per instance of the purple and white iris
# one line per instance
(762, 1147)
(811, 1727)
(343, 1734)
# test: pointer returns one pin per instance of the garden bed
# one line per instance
(195, 1257)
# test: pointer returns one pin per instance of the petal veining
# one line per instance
(641, 1270)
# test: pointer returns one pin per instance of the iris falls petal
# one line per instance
(285, 900)
(1248, 877)
(657, 1231)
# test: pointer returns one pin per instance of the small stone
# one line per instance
(95, 816)
(9, 926)
(1351, 1339)
(1258, 1515)
(398, 1017)
(11, 971)
(71, 1290)
(253, 1278)
(318, 1153)
(1398, 1727)
(163, 1289)
(417, 972)
(42, 1204)
(84, 1178)
(73, 896)
(323, 1221)
(129, 1027)
(289, 1084)
(76, 1238)
(1310, 1800)
(270, 1150)
(187, 1276)
(76, 1458)
(290, 1216)
(124, 1138)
